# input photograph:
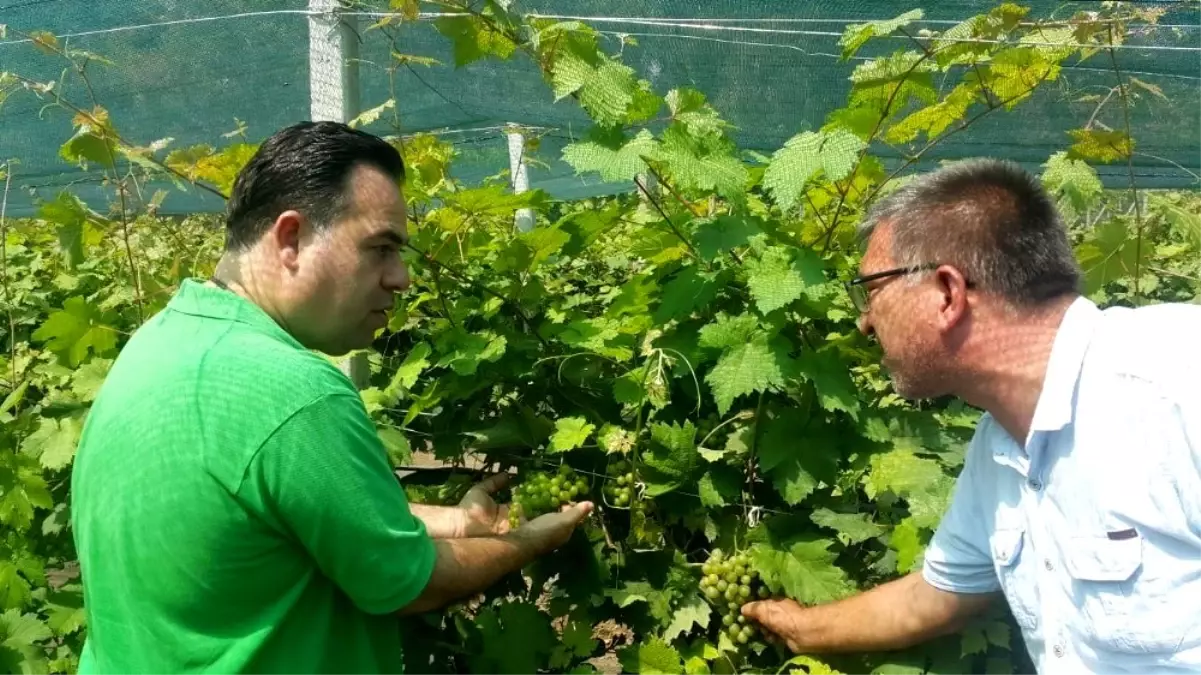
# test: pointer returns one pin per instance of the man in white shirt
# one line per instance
(1080, 499)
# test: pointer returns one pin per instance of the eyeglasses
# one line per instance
(859, 294)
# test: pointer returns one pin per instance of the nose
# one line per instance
(865, 325)
(396, 277)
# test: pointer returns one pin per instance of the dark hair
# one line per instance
(303, 167)
(992, 220)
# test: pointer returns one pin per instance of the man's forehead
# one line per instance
(878, 253)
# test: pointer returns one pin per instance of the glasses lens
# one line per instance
(858, 296)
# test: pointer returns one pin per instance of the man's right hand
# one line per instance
(550, 531)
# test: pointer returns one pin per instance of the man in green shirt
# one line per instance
(233, 507)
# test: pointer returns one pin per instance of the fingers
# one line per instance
(579, 510)
(492, 483)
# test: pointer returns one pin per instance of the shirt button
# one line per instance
(1058, 650)
(1048, 565)
(1035, 485)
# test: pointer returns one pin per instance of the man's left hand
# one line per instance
(482, 516)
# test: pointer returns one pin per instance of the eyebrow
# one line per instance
(392, 236)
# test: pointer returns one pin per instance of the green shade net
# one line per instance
(186, 69)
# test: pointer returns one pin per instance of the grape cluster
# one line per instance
(544, 492)
(620, 486)
(729, 583)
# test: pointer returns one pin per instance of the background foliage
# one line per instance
(696, 329)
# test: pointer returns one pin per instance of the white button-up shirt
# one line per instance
(1093, 529)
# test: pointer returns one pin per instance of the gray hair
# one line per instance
(990, 219)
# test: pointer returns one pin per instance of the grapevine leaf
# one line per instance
(729, 331)
(852, 528)
(608, 92)
(1110, 253)
(688, 291)
(905, 664)
(811, 665)
(796, 458)
(921, 482)
(473, 39)
(756, 366)
(718, 484)
(997, 633)
(805, 571)
(1100, 146)
(776, 278)
(14, 589)
(608, 153)
(694, 611)
(973, 641)
(671, 459)
(714, 236)
(396, 444)
(87, 380)
(75, 330)
(653, 657)
(65, 612)
(515, 623)
(806, 156)
(18, 650)
(857, 34)
(832, 380)
(416, 361)
(54, 441)
(907, 543)
(1073, 180)
(701, 163)
(570, 433)
(464, 352)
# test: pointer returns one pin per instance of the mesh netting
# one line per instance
(187, 70)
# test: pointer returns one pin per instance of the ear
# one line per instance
(285, 237)
(952, 286)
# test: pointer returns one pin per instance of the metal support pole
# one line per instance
(334, 96)
(519, 176)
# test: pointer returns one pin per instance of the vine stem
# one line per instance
(1123, 95)
(8, 305)
(654, 202)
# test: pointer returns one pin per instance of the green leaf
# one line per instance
(15, 591)
(694, 611)
(973, 641)
(997, 633)
(608, 153)
(906, 541)
(1100, 146)
(796, 456)
(396, 444)
(464, 352)
(608, 92)
(857, 34)
(922, 483)
(671, 459)
(65, 612)
(416, 361)
(832, 380)
(91, 143)
(689, 291)
(473, 39)
(778, 276)
(756, 366)
(720, 483)
(652, 657)
(75, 330)
(805, 571)
(807, 156)
(22, 631)
(87, 380)
(570, 433)
(54, 442)
(516, 623)
(714, 236)
(729, 331)
(1110, 253)
(702, 164)
(1073, 180)
(852, 528)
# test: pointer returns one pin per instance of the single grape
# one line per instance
(707, 568)
(764, 593)
(744, 592)
(734, 631)
(742, 619)
(711, 593)
(742, 638)
(623, 500)
(728, 619)
(564, 469)
(722, 585)
(745, 580)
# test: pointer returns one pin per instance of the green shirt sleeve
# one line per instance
(323, 478)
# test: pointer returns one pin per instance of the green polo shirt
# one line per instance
(233, 507)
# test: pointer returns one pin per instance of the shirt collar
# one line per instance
(1054, 409)
(197, 298)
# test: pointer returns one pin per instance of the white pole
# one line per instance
(334, 96)
(519, 176)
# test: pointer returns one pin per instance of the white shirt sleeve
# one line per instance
(958, 558)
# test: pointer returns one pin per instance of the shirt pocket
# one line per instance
(1122, 607)
(1016, 576)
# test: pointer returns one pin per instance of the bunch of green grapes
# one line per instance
(619, 488)
(543, 492)
(729, 583)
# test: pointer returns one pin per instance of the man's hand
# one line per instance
(550, 531)
(482, 516)
(777, 619)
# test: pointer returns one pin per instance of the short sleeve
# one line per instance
(324, 478)
(958, 557)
